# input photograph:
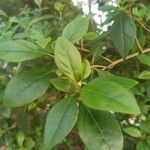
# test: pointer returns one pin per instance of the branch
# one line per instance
(83, 49)
(107, 59)
(138, 44)
(118, 61)
(143, 25)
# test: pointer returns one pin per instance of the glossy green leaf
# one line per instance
(19, 50)
(76, 29)
(60, 121)
(144, 59)
(123, 32)
(26, 87)
(123, 81)
(144, 75)
(109, 96)
(85, 69)
(67, 58)
(133, 131)
(99, 130)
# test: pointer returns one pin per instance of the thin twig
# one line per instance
(83, 49)
(19, 66)
(98, 66)
(114, 63)
(143, 25)
(81, 43)
(138, 44)
(107, 59)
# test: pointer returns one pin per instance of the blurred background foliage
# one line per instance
(22, 128)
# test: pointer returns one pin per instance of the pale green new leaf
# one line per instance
(19, 50)
(90, 36)
(109, 96)
(144, 75)
(133, 131)
(20, 138)
(123, 32)
(60, 121)
(26, 87)
(38, 2)
(76, 29)
(85, 69)
(144, 59)
(99, 130)
(67, 58)
(59, 6)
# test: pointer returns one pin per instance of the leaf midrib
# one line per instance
(106, 95)
(29, 85)
(99, 128)
(67, 106)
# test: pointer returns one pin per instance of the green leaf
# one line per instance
(132, 131)
(59, 6)
(123, 81)
(90, 36)
(26, 87)
(76, 29)
(144, 59)
(30, 143)
(148, 139)
(36, 35)
(123, 32)
(107, 8)
(85, 69)
(98, 47)
(19, 50)
(44, 42)
(99, 130)
(109, 96)
(142, 145)
(20, 138)
(140, 35)
(5, 112)
(36, 20)
(144, 75)
(38, 2)
(145, 125)
(67, 58)
(2, 13)
(63, 84)
(60, 121)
